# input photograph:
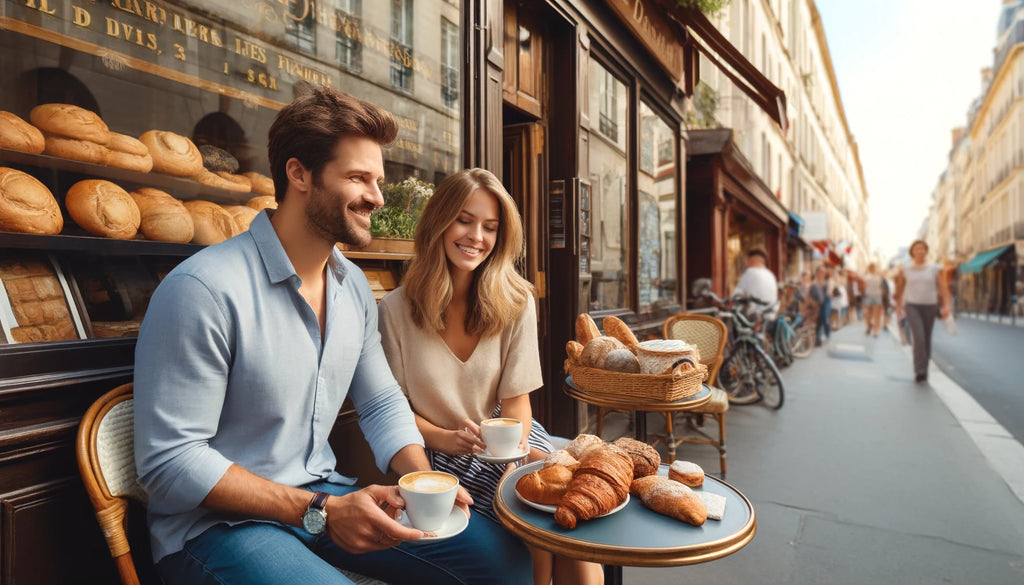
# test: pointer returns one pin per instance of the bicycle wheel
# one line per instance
(785, 336)
(803, 344)
(768, 380)
(736, 376)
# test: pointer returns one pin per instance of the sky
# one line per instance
(908, 71)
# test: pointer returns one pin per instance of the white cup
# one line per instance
(429, 498)
(502, 436)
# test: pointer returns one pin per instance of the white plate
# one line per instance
(456, 523)
(486, 458)
(551, 509)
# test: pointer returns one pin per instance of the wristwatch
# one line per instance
(314, 520)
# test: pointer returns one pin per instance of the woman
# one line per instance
(461, 338)
(922, 293)
(821, 294)
(873, 290)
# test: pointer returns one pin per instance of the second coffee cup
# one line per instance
(502, 436)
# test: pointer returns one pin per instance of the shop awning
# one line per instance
(983, 259)
(796, 225)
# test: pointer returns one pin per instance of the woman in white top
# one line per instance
(460, 335)
(872, 300)
(921, 289)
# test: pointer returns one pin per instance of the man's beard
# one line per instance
(331, 222)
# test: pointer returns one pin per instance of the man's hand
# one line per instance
(364, 521)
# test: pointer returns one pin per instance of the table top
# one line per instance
(634, 536)
(630, 403)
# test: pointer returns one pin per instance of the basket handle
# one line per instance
(683, 360)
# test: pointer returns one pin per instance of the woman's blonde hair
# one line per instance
(498, 293)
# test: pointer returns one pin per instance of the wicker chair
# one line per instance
(709, 335)
(106, 460)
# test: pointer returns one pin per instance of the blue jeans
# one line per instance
(252, 553)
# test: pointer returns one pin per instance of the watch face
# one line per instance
(314, 521)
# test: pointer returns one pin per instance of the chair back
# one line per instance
(707, 333)
(106, 461)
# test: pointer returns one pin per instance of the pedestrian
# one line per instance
(872, 299)
(821, 294)
(247, 352)
(840, 302)
(461, 337)
(922, 294)
(758, 282)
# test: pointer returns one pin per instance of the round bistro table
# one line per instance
(634, 536)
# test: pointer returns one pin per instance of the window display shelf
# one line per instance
(179, 187)
(98, 246)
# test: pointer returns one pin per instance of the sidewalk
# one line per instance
(862, 477)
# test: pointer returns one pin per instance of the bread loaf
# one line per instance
(622, 360)
(17, 134)
(261, 184)
(686, 472)
(36, 299)
(26, 205)
(618, 329)
(212, 223)
(545, 486)
(243, 215)
(172, 153)
(70, 121)
(75, 149)
(131, 162)
(596, 350)
(218, 159)
(127, 144)
(586, 329)
(103, 209)
(646, 459)
(262, 202)
(220, 182)
(242, 183)
(164, 218)
(670, 498)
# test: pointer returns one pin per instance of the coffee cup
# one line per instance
(429, 498)
(502, 436)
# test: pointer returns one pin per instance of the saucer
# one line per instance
(551, 509)
(486, 458)
(456, 523)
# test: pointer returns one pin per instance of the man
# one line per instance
(246, 354)
(759, 282)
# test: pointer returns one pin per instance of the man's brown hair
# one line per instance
(310, 127)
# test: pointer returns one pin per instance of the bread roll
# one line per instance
(580, 444)
(545, 486)
(243, 215)
(214, 180)
(212, 223)
(561, 457)
(261, 184)
(621, 360)
(618, 329)
(597, 349)
(670, 498)
(262, 202)
(127, 144)
(74, 149)
(218, 159)
(17, 134)
(573, 350)
(26, 205)
(131, 162)
(164, 218)
(172, 153)
(646, 459)
(243, 184)
(103, 209)
(686, 472)
(586, 329)
(70, 121)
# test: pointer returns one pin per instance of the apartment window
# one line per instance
(611, 91)
(348, 49)
(449, 64)
(401, 44)
(301, 34)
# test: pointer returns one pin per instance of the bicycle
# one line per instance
(748, 374)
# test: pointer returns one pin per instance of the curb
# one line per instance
(1003, 452)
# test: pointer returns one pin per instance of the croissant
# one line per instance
(598, 485)
(546, 486)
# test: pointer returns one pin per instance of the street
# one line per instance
(985, 358)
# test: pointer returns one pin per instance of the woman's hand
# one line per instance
(465, 441)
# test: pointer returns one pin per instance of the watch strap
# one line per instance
(319, 501)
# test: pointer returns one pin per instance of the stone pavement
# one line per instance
(863, 477)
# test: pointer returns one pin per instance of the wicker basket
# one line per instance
(642, 387)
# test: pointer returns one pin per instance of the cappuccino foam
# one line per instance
(428, 482)
(501, 422)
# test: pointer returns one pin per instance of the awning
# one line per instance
(983, 259)
(796, 225)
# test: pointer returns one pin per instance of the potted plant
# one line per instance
(394, 225)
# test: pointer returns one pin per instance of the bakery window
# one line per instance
(134, 133)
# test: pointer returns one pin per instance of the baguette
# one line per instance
(586, 329)
(618, 329)
(670, 498)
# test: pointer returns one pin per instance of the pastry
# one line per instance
(261, 184)
(670, 498)
(646, 459)
(103, 209)
(596, 350)
(563, 458)
(686, 472)
(580, 444)
(586, 329)
(172, 153)
(164, 218)
(545, 486)
(599, 485)
(212, 223)
(71, 122)
(618, 329)
(26, 205)
(17, 134)
(261, 202)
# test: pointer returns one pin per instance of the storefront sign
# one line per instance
(653, 28)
